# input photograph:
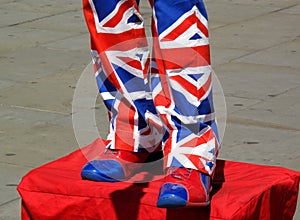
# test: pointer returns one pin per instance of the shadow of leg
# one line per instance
(127, 201)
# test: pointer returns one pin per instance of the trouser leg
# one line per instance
(121, 61)
(182, 85)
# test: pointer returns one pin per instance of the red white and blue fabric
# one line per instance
(160, 103)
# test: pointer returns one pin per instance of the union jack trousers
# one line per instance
(159, 100)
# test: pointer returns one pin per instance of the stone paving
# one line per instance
(44, 49)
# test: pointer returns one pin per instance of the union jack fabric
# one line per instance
(158, 102)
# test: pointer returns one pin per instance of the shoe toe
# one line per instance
(172, 196)
(103, 171)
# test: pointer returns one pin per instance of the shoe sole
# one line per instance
(173, 201)
(170, 201)
(98, 178)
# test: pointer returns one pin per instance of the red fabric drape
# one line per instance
(241, 191)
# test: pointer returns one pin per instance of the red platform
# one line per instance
(241, 191)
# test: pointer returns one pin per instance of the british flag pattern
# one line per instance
(160, 103)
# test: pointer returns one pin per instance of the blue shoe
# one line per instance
(114, 166)
(184, 188)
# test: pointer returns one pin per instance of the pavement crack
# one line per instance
(255, 17)
(281, 9)
(34, 109)
(19, 165)
(39, 18)
(283, 92)
(278, 94)
(44, 44)
(262, 124)
(243, 97)
(12, 200)
(259, 50)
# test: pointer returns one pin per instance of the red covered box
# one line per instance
(240, 191)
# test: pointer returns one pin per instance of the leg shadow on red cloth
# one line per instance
(218, 178)
(127, 202)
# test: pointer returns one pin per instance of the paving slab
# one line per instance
(16, 38)
(4, 2)
(74, 43)
(234, 104)
(258, 33)
(20, 67)
(221, 55)
(261, 145)
(12, 17)
(31, 137)
(284, 54)
(11, 210)
(282, 110)
(45, 6)
(10, 177)
(214, 25)
(256, 81)
(6, 83)
(146, 12)
(89, 114)
(292, 10)
(71, 21)
(34, 94)
(263, 3)
(231, 12)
